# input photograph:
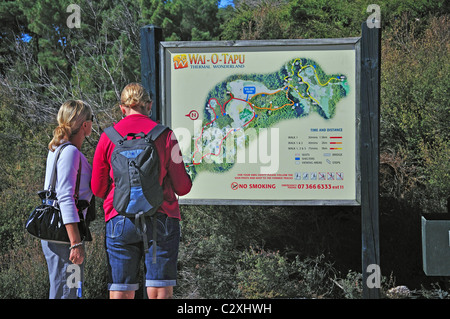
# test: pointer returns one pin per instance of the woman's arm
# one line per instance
(67, 171)
(77, 253)
(181, 182)
(66, 179)
(100, 183)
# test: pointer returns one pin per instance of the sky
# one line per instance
(224, 3)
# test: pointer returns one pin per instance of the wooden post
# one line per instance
(369, 150)
(150, 37)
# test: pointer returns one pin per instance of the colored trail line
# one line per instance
(315, 73)
(223, 111)
(252, 106)
(286, 88)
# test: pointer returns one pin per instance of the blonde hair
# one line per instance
(71, 115)
(134, 96)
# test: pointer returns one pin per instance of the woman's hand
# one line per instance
(77, 255)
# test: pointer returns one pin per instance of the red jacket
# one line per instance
(173, 175)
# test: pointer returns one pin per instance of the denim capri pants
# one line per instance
(125, 249)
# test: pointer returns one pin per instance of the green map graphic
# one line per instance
(245, 101)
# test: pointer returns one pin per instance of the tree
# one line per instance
(183, 20)
(12, 28)
(92, 63)
(263, 19)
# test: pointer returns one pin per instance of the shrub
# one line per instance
(266, 274)
(415, 112)
(95, 269)
(23, 272)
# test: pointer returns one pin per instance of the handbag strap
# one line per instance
(77, 187)
(52, 184)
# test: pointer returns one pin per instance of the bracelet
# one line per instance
(75, 245)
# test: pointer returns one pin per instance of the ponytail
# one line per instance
(135, 96)
(71, 116)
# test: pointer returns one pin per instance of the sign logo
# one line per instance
(193, 115)
(212, 61)
(180, 61)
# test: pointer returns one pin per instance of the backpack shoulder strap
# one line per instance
(156, 131)
(113, 135)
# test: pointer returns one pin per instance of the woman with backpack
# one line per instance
(74, 124)
(124, 240)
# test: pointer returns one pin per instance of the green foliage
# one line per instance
(415, 111)
(183, 20)
(269, 19)
(23, 272)
(304, 19)
(22, 166)
(16, 205)
(207, 254)
(266, 274)
(95, 270)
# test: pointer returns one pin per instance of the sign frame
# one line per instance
(164, 109)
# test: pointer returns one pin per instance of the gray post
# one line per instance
(369, 150)
(150, 37)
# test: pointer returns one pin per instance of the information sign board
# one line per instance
(265, 122)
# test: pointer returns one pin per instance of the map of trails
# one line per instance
(258, 101)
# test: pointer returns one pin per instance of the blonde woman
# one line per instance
(74, 124)
(123, 244)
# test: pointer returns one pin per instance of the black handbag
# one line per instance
(45, 221)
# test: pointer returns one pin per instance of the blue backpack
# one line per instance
(135, 164)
